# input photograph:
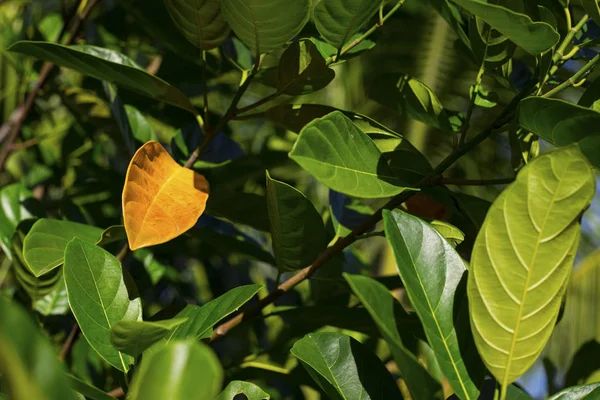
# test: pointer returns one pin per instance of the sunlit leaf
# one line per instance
(161, 199)
(588, 392)
(133, 337)
(182, 370)
(250, 390)
(16, 204)
(434, 276)
(265, 25)
(344, 368)
(451, 233)
(522, 259)
(99, 297)
(55, 302)
(200, 21)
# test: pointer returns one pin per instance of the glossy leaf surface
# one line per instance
(589, 392)
(99, 297)
(161, 199)
(266, 25)
(433, 274)
(344, 158)
(534, 37)
(562, 123)
(106, 65)
(133, 337)
(200, 21)
(380, 303)
(338, 20)
(522, 259)
(44, 245)
(182, 370)
(250, 390)
(297, 230)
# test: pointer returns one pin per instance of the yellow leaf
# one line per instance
(161, 199)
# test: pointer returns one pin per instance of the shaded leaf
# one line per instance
(240, 207)
(16, 204)
(55, 302)
(381, 303)
(297, 230)
(112, 234)
(182, 370)
(89, 391)
(200, 21)
(422, 104)
(344, 368)
(250, 390)
(227, 245)
(338, 20)
(161, 199)
(99, 297)
(584, 364)
(347, 213)
(344, 158)
(266, 25)
(133, 337)
(522, 259)
(533, 37)
(106, 65)
(434, 275)
(592, 7)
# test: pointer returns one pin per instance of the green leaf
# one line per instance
(434, 276)
(133, 337)
(562, 123)
(99, 297)
(297, 230)
(200, 21)
(422, 104)
(522, 259)
(16, 204)
(592, 8)
(591, 97)
(106, 65)
(44, 245)
(181, 370)
(533, 37)
(55, 302)
(338, 20)
(266, 25)
(28, 363)
(589, 392)
(112, 234)
(451, 233)
(139, 125)
(89, 391)
(329, 52)
(381, 303)
(344, 158)
(302, 69)
(344, 368)
(250, 390)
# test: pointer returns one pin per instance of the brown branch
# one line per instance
(68, 342)
(24, 109)
(475, 182)
(117, 392)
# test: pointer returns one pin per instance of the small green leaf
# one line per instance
(28, 363)
(344, 368)
(44, 245)
(99, 297)
(182, 370)
(533, 37)
(297, 230)
(522, 259)
(451, 233)
(250, 390)
(381, 303)
(106, 65)
(422, 104)
(302, 69)
(16, 204)
(562, 123)
(345, 159)
(483, 98)
(89, 391)
(140, 127)
(338, 20)
(133, 337)
(266, 25)
(200, 21)
(588, 392)
(433, 275)
(112, 234)
(55, 302)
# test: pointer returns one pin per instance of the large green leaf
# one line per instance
(106, 65)
(16, 204)
(265, 25)
(380, 303)
(533, 37)
(522, 259)
(44, 245)
(345, 159)
(338, 20)
(200, 21)
(182, 370)
(133, 337)
(589, 392)
(99, 297)
(434, 276)
(28, 363)
(250, 390)
(562, 123)
(344, 368)
(297, 230)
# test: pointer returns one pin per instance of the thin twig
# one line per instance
(25, 108)
(68, 342)
(475, 182)
(575, 80)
